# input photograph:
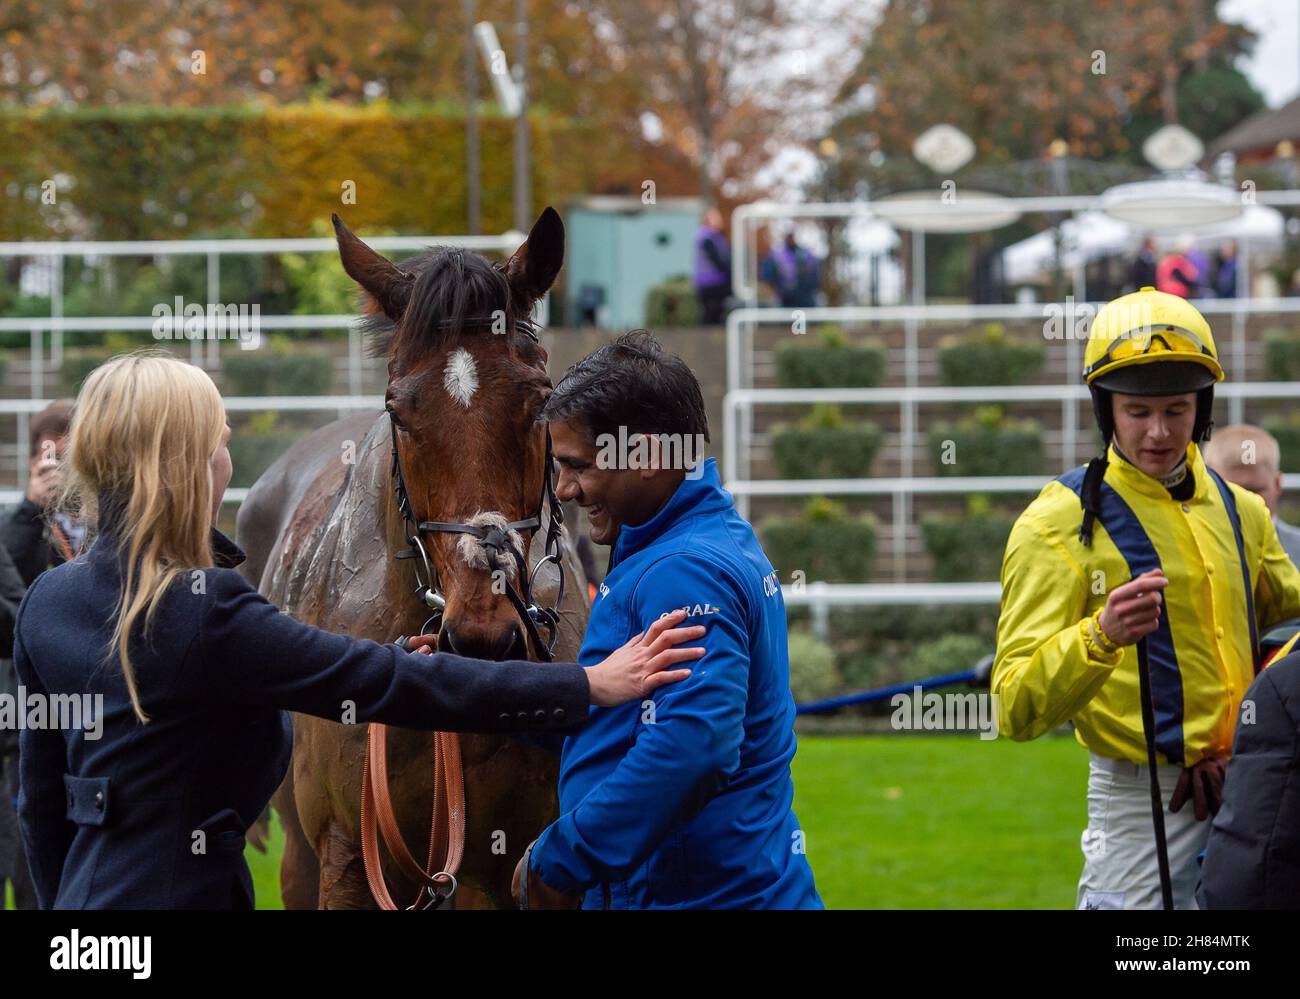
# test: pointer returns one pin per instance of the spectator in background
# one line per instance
(13, 858)
(712, 268)
(1225, 270)
(1250, 457)
(1142, 272)
(33, 544)
(1201, 261)
(792, 273)
(1176, 274)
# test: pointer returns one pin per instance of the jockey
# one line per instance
(1144, 555)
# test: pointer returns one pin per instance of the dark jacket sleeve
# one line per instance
(254, 654)
(12, 589)
(22, 532)
(42, 762)
(1252, 860)
(715, 257)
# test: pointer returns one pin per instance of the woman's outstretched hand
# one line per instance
(641, 666)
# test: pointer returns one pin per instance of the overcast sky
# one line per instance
(1275, 66)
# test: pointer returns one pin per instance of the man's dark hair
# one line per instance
(633, 383)
(52, 421)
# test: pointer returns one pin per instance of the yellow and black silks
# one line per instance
(1229, 579)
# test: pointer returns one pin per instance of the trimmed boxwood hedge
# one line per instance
(823, 542)
(673, 302)
(1281, 355)
(987, 444)
(824, 446)
(77, 364)
(949, 653)
(258, 439)
(831, 362)
(988, 356)
(966, 548)
(825, 452)
(813, 675)
(1287, 432)
(277, 370)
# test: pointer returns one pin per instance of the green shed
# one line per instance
(618, 249)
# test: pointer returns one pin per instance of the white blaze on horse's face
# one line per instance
(460, 377)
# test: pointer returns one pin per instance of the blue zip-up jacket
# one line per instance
(683, 800)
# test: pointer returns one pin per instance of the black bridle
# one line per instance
(495, 540)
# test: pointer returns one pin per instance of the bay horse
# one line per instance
(323, 529)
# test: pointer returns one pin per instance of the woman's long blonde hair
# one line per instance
(144, 429)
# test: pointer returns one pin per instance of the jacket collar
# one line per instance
(693, 498)
(1120, 473)
(112, 508)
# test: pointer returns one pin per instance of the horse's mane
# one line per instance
(453, 290)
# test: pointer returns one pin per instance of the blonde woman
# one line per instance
(146, 805)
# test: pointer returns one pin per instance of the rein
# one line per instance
(437, 879)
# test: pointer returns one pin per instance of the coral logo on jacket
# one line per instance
(693, 610)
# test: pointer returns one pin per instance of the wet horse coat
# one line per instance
(321, 528)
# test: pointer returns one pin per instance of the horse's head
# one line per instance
(466, 379)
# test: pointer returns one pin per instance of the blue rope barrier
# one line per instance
(883, 693)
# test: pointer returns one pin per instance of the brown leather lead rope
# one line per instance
(446, 825)
(62, 543)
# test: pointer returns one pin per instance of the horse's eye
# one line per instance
(392, 414)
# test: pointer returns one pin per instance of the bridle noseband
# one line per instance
(495, 539)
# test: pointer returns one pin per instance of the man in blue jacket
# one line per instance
(682, 800)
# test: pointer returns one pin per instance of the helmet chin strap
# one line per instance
(1169, 481)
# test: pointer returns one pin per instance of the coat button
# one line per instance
(1186, 508)
(1218, 632)
(505, 718)
(99, 801)
(1210, 569)
(539, 716)
(558, 716)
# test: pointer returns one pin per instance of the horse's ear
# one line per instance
(534, 265)
(378, 276)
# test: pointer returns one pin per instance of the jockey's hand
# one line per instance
(540, 894)
(1132, 610)
(1203, 782)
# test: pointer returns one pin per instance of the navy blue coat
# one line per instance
(154, 815)
(1252, 860)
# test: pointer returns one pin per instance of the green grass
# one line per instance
(942, 822)
(914, 822)
(265, 867)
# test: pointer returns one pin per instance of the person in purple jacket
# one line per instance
(712, 268)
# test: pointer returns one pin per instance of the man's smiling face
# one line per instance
(612, 497)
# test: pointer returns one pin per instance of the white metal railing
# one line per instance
(213, 250)
(56, 324)
(340, 404)
(740, 356)
(741, 402)
(740, 349)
